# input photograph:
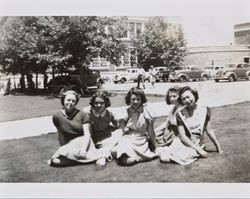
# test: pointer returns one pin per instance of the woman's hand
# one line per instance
(81, 154)
(202, 153)
(219, 150)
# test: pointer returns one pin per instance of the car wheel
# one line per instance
(182, 79)
(165, 79)
(248, 77)
(123, 80)
(204, 78)
(231, 78)
(216, 80)
(99, 84)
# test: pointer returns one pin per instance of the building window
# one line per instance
(132, 30)
(138, 29)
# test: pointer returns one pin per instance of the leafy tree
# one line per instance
(34, 44)
(160, 45)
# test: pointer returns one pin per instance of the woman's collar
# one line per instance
(96, 114)
(139, 110)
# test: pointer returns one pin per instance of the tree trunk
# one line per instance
(22, 82)
(36, 79)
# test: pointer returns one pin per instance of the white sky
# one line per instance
(205, 22)
(207, 31)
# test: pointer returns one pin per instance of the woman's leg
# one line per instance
(62, 161)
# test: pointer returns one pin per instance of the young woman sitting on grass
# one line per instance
(137, 125)
(192, 121)
(167, 131)
(104, 128)
(73, 134)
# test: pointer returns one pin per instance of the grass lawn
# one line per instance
(16, 107)
(24, 160)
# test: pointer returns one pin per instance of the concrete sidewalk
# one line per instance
(44, 125)
(211, 94)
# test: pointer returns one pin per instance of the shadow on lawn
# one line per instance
(51, 95)
(30, 156)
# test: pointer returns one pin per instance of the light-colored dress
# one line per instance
(104, 130)
(70, 128)
(134, 143)
(194, 129)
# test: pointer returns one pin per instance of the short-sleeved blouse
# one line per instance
(70, 126)
(143, 109)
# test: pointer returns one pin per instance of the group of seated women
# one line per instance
(96, 135)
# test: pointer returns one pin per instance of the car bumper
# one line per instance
(221, 78)
(172, 79)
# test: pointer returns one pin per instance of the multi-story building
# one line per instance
(136, 26)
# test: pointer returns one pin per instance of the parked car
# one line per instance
(233, 72)
(130, 74)
(165, 74)
(159, 70)
(75, 81)
(189, 73)
(212, 70)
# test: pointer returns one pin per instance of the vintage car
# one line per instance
(76, 81)
(130, 74)
(165, 74)
(159, 70)
(233, 72)
(189, 73)
(212, 70)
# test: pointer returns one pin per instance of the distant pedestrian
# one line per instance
(141, 77)
(152, 76)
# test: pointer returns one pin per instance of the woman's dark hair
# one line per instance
(100, 94)
(174, 89)
(135, 91)
(187, 88)
(67, 93)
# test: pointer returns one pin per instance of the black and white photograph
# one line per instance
(122, 100)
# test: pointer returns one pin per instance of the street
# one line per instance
(211, 94)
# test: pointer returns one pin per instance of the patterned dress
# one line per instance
(70, 128)
(194, 128)
(104, 131)
(166, 136)
(134, 143)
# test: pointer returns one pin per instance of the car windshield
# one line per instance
(230, 66)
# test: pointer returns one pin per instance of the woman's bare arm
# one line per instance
(211, 135)
(151, 134)
(189, 143)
